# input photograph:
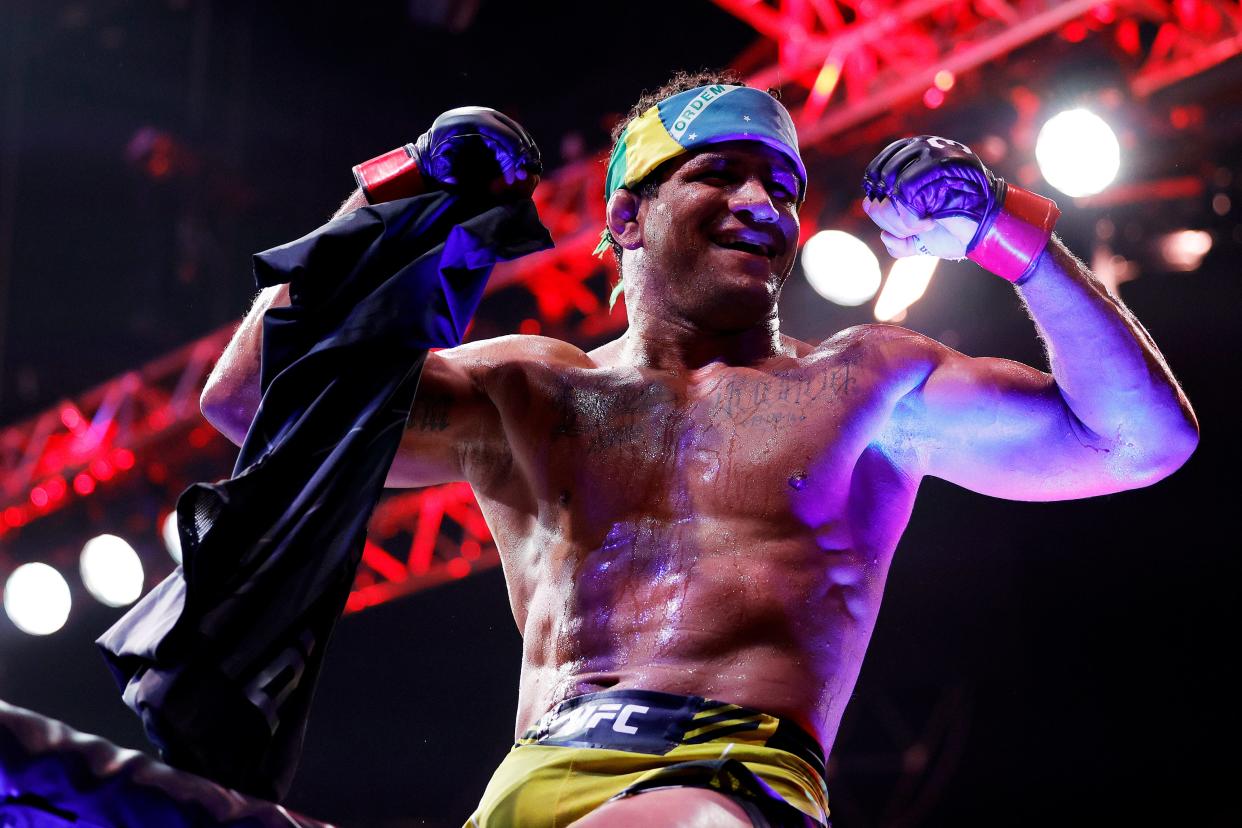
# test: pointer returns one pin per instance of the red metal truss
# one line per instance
(78, 445)
(571, 204)
(841, 64)
(419, 539)
(1194, 36)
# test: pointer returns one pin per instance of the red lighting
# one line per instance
(101, 469)
(123, 459)
(200, 437)
(1128, 36)
(530, 327)
(84, 484)
(458, 567)
(1188, 11)
(1182, 117)
(470, 549)
(14, 516)
(1104, 13)
(71, 418)
(933, 98)
(363, 598)
(55, 487)
(375, 557)
(1075, 32)
(38, 496)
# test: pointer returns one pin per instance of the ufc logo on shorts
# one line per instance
(590, 715)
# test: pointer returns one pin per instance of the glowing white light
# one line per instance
(907, 280)
(172, 536)
(840, 267)
(37, 599)
(1078, 152)
(111, 570)
(1185, 249)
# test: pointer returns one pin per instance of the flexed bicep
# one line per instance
(1004, 429)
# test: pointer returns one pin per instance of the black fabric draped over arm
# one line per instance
(221, 658)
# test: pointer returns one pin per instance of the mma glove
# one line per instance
(472, 148)
(935, 178)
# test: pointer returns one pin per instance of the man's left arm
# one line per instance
(1108, 370)
(1110, 417)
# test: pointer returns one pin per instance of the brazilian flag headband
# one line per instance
(697, 117)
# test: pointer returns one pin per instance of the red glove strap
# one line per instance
(390, 176)
(1019, 234)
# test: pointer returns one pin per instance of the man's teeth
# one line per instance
(746, 247)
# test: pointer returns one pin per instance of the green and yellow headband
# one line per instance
(697, 117)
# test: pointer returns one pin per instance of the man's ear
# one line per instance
(622, 219)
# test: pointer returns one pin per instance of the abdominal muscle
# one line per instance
(709, 607)
(723, 533)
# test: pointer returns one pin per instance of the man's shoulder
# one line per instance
(516, 349)
(898, 358)
(880, 341)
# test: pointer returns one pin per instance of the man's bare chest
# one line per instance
(722, 441)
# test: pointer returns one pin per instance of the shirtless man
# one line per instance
(696, 519)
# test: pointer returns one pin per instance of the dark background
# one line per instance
(1064, 663)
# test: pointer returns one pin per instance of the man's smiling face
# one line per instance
(720, 233)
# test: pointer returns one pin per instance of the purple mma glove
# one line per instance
(937, 178)
(469, 148)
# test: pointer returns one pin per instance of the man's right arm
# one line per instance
(231, 395)
(468, 148)
(450, 413)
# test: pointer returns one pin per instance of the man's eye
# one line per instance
(783, 191)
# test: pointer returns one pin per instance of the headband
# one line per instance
(695, 118)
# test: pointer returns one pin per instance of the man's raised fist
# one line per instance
(934, 196)
(472, 148)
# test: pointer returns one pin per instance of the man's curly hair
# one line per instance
(681, 81)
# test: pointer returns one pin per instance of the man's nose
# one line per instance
(752, 198)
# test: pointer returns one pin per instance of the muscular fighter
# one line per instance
(696, 519)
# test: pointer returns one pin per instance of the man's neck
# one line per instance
(666, 342)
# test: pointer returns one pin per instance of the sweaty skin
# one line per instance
(706, 506)
(722, 531)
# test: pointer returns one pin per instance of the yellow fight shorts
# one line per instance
(603, 746)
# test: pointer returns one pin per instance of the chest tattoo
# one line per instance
(778, 400)
(609, 417)
(605, 417)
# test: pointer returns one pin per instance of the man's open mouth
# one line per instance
(753, 248)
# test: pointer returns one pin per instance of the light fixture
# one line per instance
(36, 599)
(840, 267)
(1078, 152)
(111, 570)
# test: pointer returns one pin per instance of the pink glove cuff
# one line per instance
(1021, 230)
(390, 176)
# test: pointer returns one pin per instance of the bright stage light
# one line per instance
(37, 599)
(1185, 249)
(1078, 153)
(840, 267)
(172, 536)
(907, 280)
(111, 570)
